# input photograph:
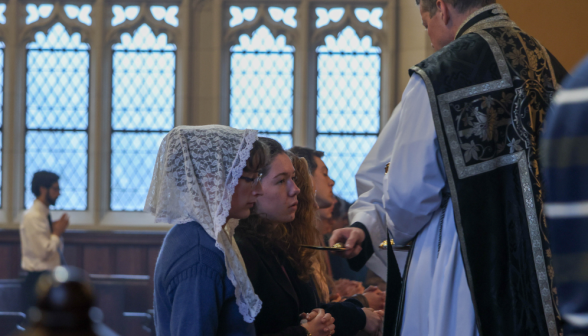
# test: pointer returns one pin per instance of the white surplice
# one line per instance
(408, 202)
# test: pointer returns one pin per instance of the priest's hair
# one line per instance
(430, 6)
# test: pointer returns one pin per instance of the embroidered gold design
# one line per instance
(476, 13)
(489, 25)
(478, 120)
(386, 168)
(483, 118)
(536, 243)
(499, 11)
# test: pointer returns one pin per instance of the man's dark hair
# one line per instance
(43, 179)
(430, 6)
(308, 154)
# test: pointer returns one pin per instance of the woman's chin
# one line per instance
(241, 214)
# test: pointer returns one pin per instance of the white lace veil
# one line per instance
(195, 175)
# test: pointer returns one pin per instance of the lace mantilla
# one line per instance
(196, 171)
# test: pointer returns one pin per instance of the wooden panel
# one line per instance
(134, 324)
(120, 294)
(97, 237)
(152, 255)
(9, 322)
(131, 260)
(96, 252)
(9, 261)
(99, 260)
(110, 298)
(74, 255)
(10, 295)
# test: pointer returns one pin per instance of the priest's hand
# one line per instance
(351, 237)
(373, 320)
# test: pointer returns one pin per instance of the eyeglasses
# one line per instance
(254, 181)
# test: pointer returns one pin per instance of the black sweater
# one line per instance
(284, 296)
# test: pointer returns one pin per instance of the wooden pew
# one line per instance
(11, 322)
(124, 301)
(10, 295)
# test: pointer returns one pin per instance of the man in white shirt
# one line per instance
(41, 243)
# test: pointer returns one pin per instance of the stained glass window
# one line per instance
(348, 103)
(143, 107)
(57, 112)
(262, 78)
(1, 110)
(2, 16)
(2, 21)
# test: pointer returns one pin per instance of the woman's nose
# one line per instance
(258, 190)
(294, 190)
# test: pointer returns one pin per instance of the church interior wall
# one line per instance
(106, 242)
(558, 25)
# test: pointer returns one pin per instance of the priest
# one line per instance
(454, 175)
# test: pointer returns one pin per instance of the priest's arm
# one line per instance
(404, 198)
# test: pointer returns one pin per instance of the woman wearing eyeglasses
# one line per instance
(204, 181)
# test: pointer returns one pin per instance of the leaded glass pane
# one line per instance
(37, 12)
(120, 14)
(57, 114)
(343, 156)
(287, 15)
(133, 159)
(262, 83)
(2, 17)
(325, 16)
(143, 111)
(167, 14)
(239, 15)
(64, 153)
(81, 13)
(348, 105)
(373, 17)
(1, 111)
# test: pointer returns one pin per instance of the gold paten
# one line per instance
(384, 244)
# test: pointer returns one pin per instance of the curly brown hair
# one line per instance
(287, 238)
(303, 229)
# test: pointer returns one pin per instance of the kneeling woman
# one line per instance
(205, 180)
(288, 278)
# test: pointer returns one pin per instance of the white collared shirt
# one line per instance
(39, 247)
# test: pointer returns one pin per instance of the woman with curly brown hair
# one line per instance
(291, 280)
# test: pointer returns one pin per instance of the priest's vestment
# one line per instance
(463, 186)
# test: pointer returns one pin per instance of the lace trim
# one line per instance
(178, 193)
(249, 307)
